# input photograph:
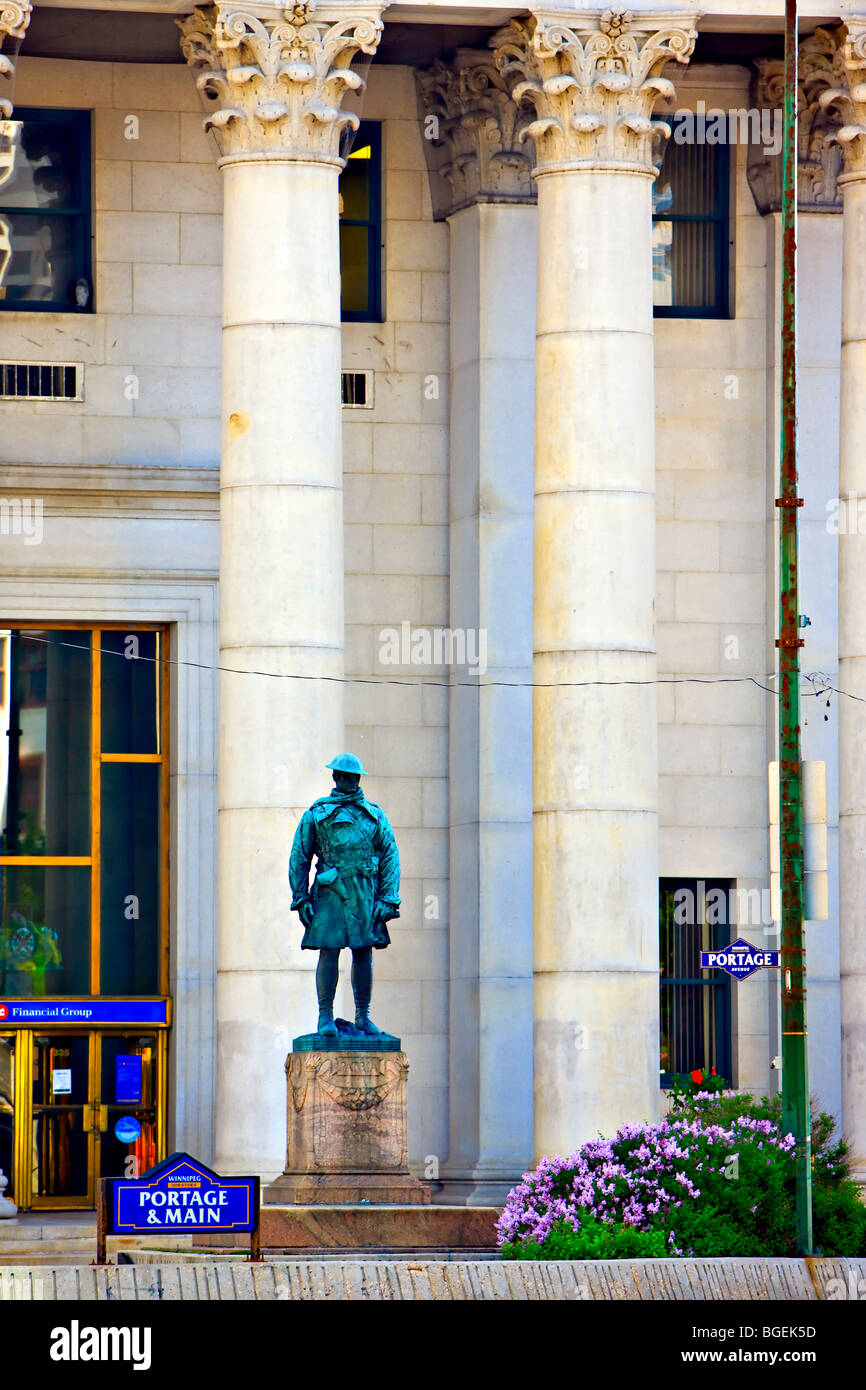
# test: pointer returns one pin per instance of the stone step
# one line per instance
(15, 1231)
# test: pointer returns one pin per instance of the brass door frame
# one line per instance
(23, 1195)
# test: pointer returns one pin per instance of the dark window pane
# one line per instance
(41, 257)
(130, 907)
(45, 782)
(687, 183)
(130, 691)
(44, 930)
(39, 165)
(689, 228)
(693, 264)
(355, 185)
(355, 269)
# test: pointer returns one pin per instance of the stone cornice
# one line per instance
(272, 77)
(818, 153)
(848, 97)
(14, 18)
(592, 81)
(472, 134)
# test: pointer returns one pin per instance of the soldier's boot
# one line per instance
(362, 988)
(327, 974)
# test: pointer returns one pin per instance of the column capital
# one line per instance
(273, 77)
(848, 97)
(592, 80)
(819, 156)
(472, 132)
(14, 18)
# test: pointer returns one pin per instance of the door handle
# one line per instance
(95, 1118)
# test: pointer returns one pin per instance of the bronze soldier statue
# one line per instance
(355, 892)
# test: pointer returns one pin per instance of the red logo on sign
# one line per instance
(4, 1012)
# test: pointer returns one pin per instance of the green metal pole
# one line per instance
(795, 1071)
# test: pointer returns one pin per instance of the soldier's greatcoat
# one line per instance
(357, 866)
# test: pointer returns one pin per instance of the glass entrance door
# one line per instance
(64, 1119)
(94, 1107)
(130, 1095)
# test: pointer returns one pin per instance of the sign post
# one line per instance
(102, 1224)
(179, 1195)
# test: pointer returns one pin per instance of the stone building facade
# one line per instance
(527, 573)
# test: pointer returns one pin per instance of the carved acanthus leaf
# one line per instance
(275, 86)
(593, 83)
(848, 97)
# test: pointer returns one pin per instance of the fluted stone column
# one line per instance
(592, 83)
(850, 98)
(14, 19)
(480, 182)
(274, 79)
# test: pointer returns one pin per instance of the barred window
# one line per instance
(695, 1004)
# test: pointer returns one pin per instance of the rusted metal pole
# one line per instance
(795, 1070)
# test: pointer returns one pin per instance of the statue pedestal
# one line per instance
(346, 1108)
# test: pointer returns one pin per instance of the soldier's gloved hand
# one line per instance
(306, 914)
(381, 912)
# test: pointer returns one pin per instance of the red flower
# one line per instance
(713, 1070)
(697, 1076)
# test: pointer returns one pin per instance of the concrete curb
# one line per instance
(304, 1280)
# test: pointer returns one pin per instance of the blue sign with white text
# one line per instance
(739, 960)
(182, 1193)
(130, 1011)
(127, 1079)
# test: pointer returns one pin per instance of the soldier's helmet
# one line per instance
(347, 762)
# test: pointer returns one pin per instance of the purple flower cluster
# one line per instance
(639, 1178)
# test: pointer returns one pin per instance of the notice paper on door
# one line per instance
(61, 1081)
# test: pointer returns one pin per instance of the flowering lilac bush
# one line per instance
(711, 1189)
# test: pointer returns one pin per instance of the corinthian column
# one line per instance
(481, 183)
(592, 83)
(274, 79)
(849, 97)
(14, 18)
